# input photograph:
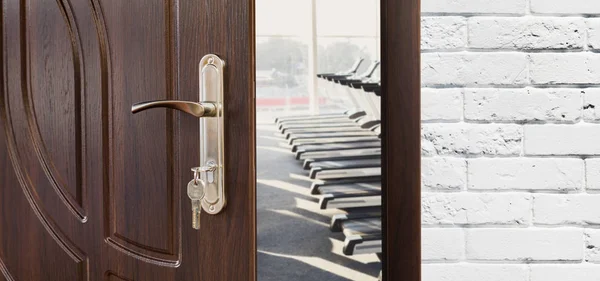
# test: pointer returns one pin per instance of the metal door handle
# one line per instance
(202, 109)
(212, 135)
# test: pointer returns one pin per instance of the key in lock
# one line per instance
(196, 191)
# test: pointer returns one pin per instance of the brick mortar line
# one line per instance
(529, 156)
(522, 123)
(516, 227)
(512, 51)
(508, 262)
(522, 191)
(519, 87)
(511, 191)
(513, 86)
(508, 15)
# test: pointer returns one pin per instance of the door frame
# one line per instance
(401, 138)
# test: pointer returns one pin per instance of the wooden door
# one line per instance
(89, 191)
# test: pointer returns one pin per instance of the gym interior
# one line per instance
(318, 92)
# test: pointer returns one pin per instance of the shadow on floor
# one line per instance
(294, 240)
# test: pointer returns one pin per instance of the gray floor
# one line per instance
(294, 241)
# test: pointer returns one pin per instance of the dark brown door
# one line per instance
(89, 191)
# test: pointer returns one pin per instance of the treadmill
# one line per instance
(321, 168)
(363, 236)
(346, 173)
(370, 122)
(362, 181)
(357, 152)
(344, 121)
(310, 131)
(362, 230)
(326, 135)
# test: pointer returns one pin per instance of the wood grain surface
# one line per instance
(401, 140)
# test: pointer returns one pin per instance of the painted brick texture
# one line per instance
(511, 140)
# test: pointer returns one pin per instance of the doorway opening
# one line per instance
(318, 92)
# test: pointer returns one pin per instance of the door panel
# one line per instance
(90, 191)
(30, 230)
(225, 28)
(54, 97)
(98, 187)
(143, 192)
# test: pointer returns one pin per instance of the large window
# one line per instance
(346, 30)
(289, 51)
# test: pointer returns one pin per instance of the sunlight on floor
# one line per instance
(302, 217)
(284, 186)
(276, 149)
(326, 265)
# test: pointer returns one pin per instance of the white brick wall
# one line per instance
(592, 173)
(446, 105)
(511, 140)
(476, 209)
(564, 68)
(445, 173)
(592, 245)
(591, 112)
(565, 7)
(527, 174)
(577, 272)
(471, 139)
(505, 244)
(578, 139)
(475, 6)
(593, 32)
(465, 69)
(523, 105)
(563, 209)
(526, 33)
(455, 29)
(445, 244)
(475, 272)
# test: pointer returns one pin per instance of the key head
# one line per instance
(195, 189)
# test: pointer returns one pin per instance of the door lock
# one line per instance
(207, 189)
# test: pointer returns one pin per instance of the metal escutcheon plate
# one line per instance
(212, 133)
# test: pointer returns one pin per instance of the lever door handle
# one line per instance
(197, 109)
(207, 189)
